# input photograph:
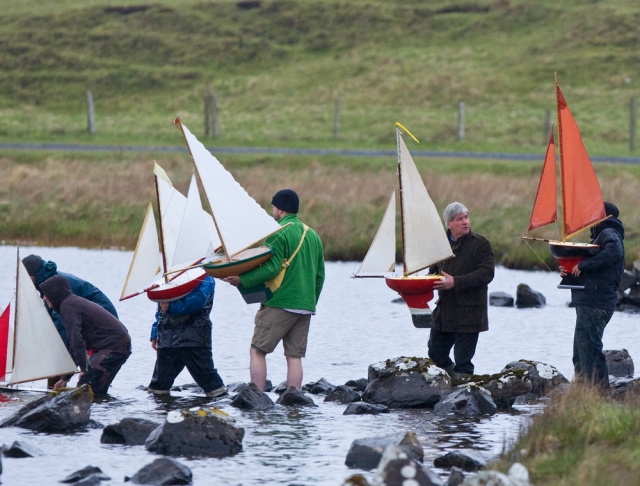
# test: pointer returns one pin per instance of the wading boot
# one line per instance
(452, 374)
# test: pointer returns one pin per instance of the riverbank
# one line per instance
(98, 200)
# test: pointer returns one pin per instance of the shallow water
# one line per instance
(356, 325)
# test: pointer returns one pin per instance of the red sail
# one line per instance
(582, 197)
(546, 203)
(4, 341)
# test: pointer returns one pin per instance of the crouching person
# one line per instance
(181, 334)
(99, 342)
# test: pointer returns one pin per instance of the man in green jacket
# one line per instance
(286, 315)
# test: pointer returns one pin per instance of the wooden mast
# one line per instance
(162, 252)
(562, 194)
(402, 235)
(15, 312)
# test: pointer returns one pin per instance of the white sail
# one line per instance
(381, 257)
(424, 239)
(146, 261)
(193, 241)
(39, 351)
(172, 205)
(240, 220)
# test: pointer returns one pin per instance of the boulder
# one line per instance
(234, 388)
(619, 363)
(281, 388)
(456, 477)
(505, 386)
(464, 459)
(366, 453)
(363, 408)
(89, 473)
(129, 431)
(625, 386)
(162, 471)
(466, 401)
(544, 378)
(360, 384)
(295, 398)
(527, 297)
(488, 478)
(518, 474)
(63, 412)
(21, 449)
(320, 387)
(252, 399)
(627, 281)
(343, 394)
(397, 468)
(197, 431)
(406, 383)
(500, 299)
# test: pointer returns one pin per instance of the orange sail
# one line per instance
(582, 198)
(546, 203)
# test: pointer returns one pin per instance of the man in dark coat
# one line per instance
(99, 342)
(461, 310)
(600, 274)
(181, 334)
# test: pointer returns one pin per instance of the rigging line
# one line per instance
(539, 258)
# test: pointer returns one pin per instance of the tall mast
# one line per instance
(162, 252)
(402, 236)
(562, 195)
(15, 312)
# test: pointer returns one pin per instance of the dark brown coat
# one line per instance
(464, 308)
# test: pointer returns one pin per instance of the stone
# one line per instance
(63, 412)
(505, 386)
(625, 386)
(488, 478)
(360, 384)
(366, 453)
(320, 387)
(252, 399)
(295, 398)
(456, 477)
(500, 299)
(527, 297)
(129, 431)
(21, 449)
(234, 388)
(197, 431)
(90, 472)
(619, 363)
(464, 459)
(363, 408)
(162, 471)
(406, 383)
(92, 480)
(281, 388)
(518, 474)
(268, 386)
(544, 378)
(628, 279)
(466, 401)
(343, 394)
(397, 468)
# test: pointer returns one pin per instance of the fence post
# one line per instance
(336, 118)
(210, 113)
(633, 113)
(461, 121)
(91, 120)
(547, 126)
(214, 115)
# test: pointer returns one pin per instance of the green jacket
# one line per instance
(304, 277)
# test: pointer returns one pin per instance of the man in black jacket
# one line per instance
(600, 274)
(99, 342)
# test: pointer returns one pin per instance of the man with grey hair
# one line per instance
(461, 310)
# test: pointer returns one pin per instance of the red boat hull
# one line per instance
(417, 292)
(178, 287)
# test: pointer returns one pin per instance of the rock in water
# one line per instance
(363, 408)
(527, 297)
(343, 394)
(320, 387)
(544, 378)
(129, 431)
(456, 477)
(62, 412)
(360, 384)
(366, 453)
(466, 401)
(406, 383)
(252, 399)
(20, 449)
(619, 363)
(199, 431)
(162, 471)
(397, 468)
(467, 460)
(500, 299)
(295, 398)
(88, 473)
(488, 478)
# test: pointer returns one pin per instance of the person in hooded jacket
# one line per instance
(600, 274)
(99, 343)
(181, 335)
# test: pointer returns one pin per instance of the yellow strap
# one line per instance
(398, 124)
(286, 262)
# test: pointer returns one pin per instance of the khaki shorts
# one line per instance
(274, 325)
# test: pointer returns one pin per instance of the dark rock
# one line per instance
(295, 398)
(628, 279)
(234, 388)
(527, 297)
(320, 387)
(366, 453)
(406, 383)
(544, 377)
(467, 401)
(398, 300)
(129, 431)
(505, 386)
(625, 386)
(268, 386)
(343, 394)
(93, 480)
(20, 449)
(252, 399)
(363, 408)
(360, 384)
(397, 468)
(176, 389)
(500, 299)
(141, 387)
(62, 412)
(619, 362)
(249, 4)
(86, 473)
(203, 431)
(281, 388)
(466, 460)
(163, 471)
(456, 477)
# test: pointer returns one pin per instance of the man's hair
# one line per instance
(452, 210)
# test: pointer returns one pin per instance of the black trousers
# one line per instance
(199, 362)
(464, 347)
(102, 370)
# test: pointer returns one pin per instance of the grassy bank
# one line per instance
(98, 200)
(277, 69)
(582, 439)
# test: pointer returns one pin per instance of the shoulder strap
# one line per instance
(286, 263)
